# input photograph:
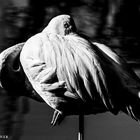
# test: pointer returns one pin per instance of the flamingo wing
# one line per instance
(127, 99)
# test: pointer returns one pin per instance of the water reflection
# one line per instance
(12, 113)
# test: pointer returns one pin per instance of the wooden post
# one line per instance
(81, 127)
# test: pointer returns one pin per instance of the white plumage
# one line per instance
(75, 76)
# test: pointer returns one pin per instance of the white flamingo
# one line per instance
(70, 73)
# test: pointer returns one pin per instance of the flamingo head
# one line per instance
(62, 25)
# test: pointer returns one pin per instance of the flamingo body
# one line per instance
(76, 76)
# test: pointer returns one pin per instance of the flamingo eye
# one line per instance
(66, 25)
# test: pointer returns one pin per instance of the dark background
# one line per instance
(115, 23)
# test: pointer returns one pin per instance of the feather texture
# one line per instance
(74, 75)
(92, 72)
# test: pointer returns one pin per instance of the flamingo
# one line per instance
(70, 73)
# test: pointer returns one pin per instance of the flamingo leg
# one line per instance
(57, 118)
